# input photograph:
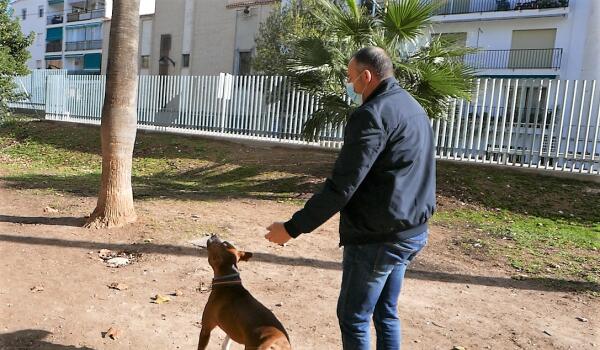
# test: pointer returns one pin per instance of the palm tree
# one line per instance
(119, 117)
(432, 70)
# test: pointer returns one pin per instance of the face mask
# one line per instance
(354, 96)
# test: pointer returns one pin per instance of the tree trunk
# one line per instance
(119, 119)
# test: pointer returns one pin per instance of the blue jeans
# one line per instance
(371, 283)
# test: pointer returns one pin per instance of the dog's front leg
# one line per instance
(204, 336)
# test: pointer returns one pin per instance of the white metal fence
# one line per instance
(536, 123)
(33, 86)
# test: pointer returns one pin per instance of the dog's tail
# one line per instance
(227, 343)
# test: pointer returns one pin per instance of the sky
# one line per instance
(146, 7)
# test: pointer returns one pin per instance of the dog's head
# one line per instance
(222, 255)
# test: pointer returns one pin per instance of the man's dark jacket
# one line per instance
(383, 181)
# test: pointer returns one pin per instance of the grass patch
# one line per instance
(66, 158)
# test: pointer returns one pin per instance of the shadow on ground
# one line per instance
(525, 283)
(40, 220)
(32, 339)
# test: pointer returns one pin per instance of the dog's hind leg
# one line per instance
(226, 343)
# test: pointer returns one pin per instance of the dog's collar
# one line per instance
(227, 283)
(233, 278)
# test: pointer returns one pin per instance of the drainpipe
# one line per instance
(235, 48)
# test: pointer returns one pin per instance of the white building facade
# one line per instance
(550, 39)
(32, 16)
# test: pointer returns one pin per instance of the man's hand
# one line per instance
(277, 233)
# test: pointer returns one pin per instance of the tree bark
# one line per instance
(119, 119)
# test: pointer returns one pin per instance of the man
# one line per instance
(383, 183)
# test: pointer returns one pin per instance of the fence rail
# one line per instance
(535, 123)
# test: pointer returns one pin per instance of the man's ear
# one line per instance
(244, 256)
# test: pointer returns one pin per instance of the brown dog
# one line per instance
(231, 307)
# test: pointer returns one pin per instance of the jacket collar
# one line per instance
(385, 85)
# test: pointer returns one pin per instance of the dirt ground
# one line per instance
(54, 287)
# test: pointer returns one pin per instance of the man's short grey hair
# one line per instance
(376, 60)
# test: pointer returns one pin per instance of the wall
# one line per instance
(168, 20)
(591, 57)
(213, 38)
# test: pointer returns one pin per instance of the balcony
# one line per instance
(515, 59)
(455, 7)
(54, 46)
(56, 18)
(85, 15)
(83, 45)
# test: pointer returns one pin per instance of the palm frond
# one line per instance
(405, 20)
(349, 22)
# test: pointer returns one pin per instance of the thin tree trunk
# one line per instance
(119, 117)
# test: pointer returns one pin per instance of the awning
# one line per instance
(92, 61)
(54, 34)
(53, 58)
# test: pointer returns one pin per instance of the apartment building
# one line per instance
(543, 38)
(205, 37)
(32, 16)
(72, 34)
(527, 46)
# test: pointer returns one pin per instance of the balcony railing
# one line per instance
(515, 59)
(57, 18)
(84, 16)
(54, 46)
(455, 7)
(83, 45)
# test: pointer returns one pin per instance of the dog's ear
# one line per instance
(244, 256)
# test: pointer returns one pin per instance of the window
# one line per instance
(165, 50)
(145, 62)
(532, 49)
(185, 60)
(41, 11)
(23, 14)
(244, 62)
(84, 33)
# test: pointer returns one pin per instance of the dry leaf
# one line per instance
(161, 299)
(112, 333)
(37, 289)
